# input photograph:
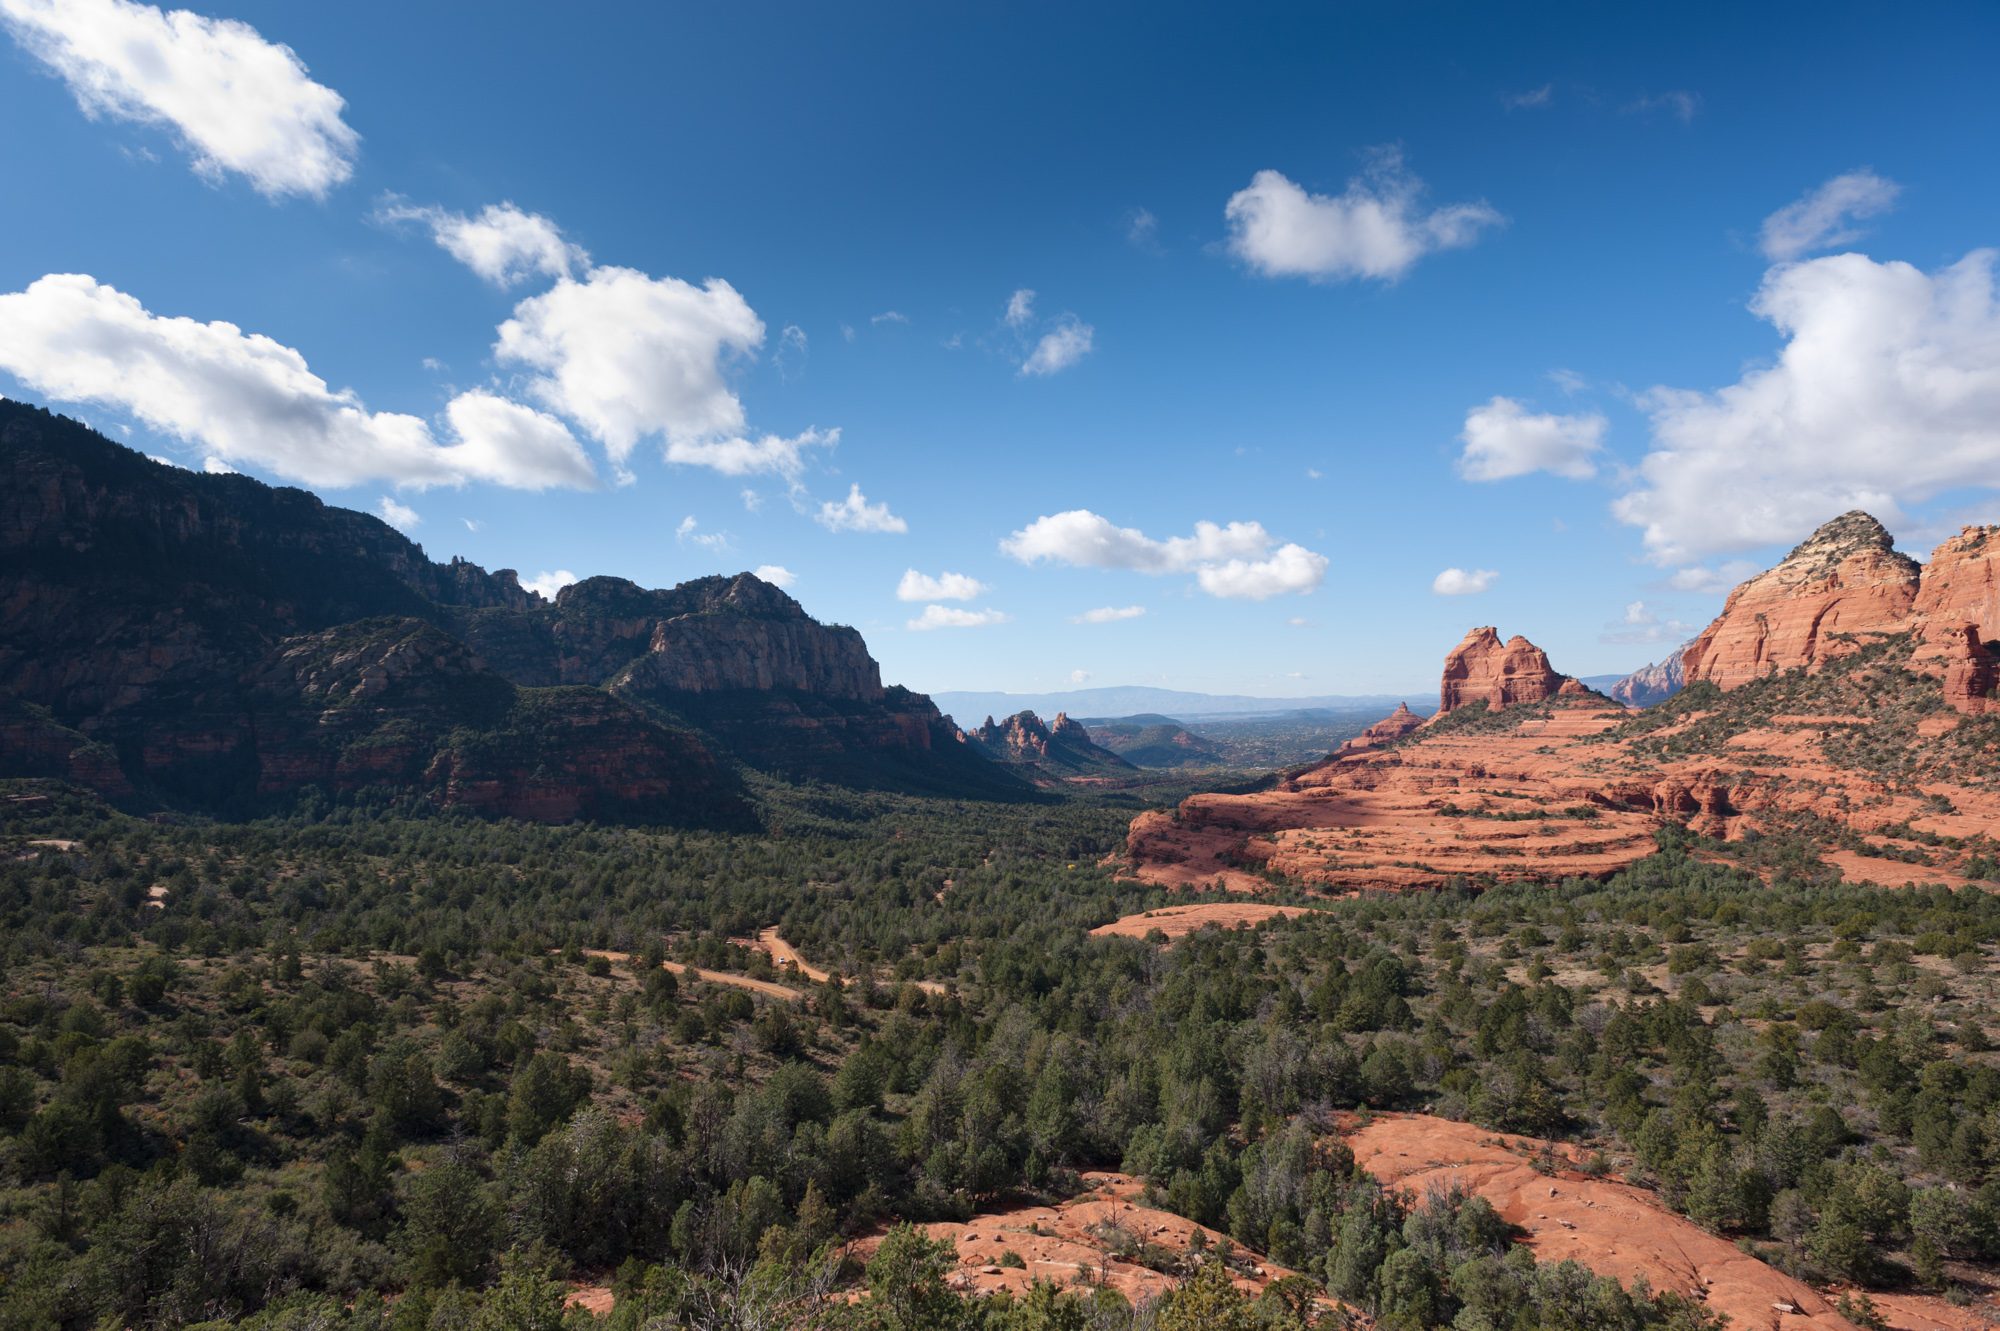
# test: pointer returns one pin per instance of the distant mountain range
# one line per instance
(970, 709)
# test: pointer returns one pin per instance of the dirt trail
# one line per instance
(1066, 1244)
(764, 987)
(1179, 921)
(1613, 1228)
(786, 957)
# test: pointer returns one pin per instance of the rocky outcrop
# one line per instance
(1845, 584)
(221, 641)
(1061, 750)
(1484, 669)
(1961, 583)
(1959, 658)
(1386, 731)
(1651, 684)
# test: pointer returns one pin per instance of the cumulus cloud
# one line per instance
(237, 102)
(1376, 228)
(776, 574)
(1236, 560)
(917, 586)
(503, 244)
(855, 513)
(546, 584)
(1290, 570)
(626, 356)
(952, 617)
(400, 516)
(1886, 393)
(1142, 230)
(252, 401)
(1463, 582)
(1059, 348)
(1020, 308)
(1503, 439)
(1826, 217)
(1108, 614)
(1079, 676)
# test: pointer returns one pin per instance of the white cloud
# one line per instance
(1088, 540)
(471, 524)
(1376, 228)
(400, 516)
(252, 401)
(237, 102)
(1108, 614)
(1291, 569)
(776, 574)
(689, 533)
(1463, 582)
(1825, 218)
(889, 317)
(1533, 97)
(855, 513)
(547, 584)
(1079, 676)
(1020, 308)
(504, 245)
(737, 456)
(626, 355)
(503, 438)
(1503, 439)
(917, 586)
(1886, 393)
(1233, 561)
(952, 617)
(1059, 348)
(1142, 230)
(215, 466)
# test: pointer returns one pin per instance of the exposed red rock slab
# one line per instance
(1922, 1312)
(788, 958)
(1859, 868)
(1180, 921)
(1065, 1245)
(1961, 583)
(1613, 1228)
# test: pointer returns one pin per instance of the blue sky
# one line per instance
(1720, 265)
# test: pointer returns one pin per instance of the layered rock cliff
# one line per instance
(1841, 586)
(1484, 669)
(231, 642)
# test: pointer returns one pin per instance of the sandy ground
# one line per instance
(764, 987)
(1179, 921)
(786, 957)
(593, 1299)
(1617, 1229)
(1065, 1245)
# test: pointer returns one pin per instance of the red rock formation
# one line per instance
(1961, 584)
(1483, 669)
(1957, 656)
(1386, 731)
(1845, 581)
